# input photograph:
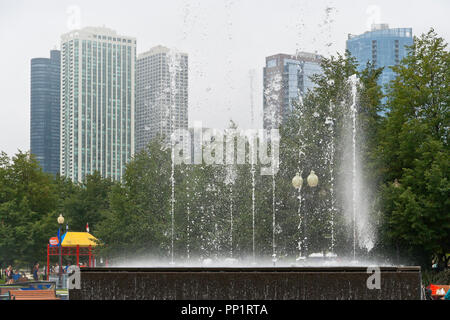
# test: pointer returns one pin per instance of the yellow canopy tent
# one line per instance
(82, 239)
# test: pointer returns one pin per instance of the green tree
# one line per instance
(415, 153)
(85, 203)
(27, 203)
(138, 219)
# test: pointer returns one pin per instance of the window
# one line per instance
(272, 63)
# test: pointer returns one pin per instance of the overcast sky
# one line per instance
(225, 39)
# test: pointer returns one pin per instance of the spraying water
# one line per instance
(188, 231)
(274, 253)
(252, 74)
(174, 67)
(253, 210)
(172, 202)
(300, 242)
(231, 221)
(331, 149)
(353, 81)
(272, 97)
(230, 180)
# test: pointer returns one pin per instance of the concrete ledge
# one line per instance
(283, 283)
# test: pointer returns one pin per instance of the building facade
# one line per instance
(161, 94)
(287, 78)
(97, 102)
(382, 46)
(44, 111)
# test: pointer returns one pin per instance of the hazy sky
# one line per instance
(225, 39)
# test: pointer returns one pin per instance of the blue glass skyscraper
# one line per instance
(287, 78)
(381, 46)
(45, 108)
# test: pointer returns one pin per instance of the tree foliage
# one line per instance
(414, 151)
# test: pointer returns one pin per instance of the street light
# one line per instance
(396, 184)
(313, 180)
(297, 182)
(60, 222)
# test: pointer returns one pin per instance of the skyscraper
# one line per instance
(161, 94)
(97, 102)
(381, 46)
(45, 95)
(286, 79)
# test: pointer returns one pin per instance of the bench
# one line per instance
(32, 295)
(6, 290)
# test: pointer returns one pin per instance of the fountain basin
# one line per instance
(271, 283)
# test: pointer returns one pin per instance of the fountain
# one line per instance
(174, 65)
(229, 180)
(252, 170)
(315, 276)
(354, 187)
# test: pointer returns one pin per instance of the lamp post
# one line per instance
(313, 180)
(396, 183)
(60, 222)
(297, 183)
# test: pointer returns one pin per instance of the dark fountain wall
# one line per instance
(340, 283)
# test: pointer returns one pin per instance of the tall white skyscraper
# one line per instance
(97, 102)
(161, 94)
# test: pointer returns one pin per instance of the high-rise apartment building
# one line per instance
(97, 102)
(45, 95)
(382, 46)
(287, 78)
(161, 94)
